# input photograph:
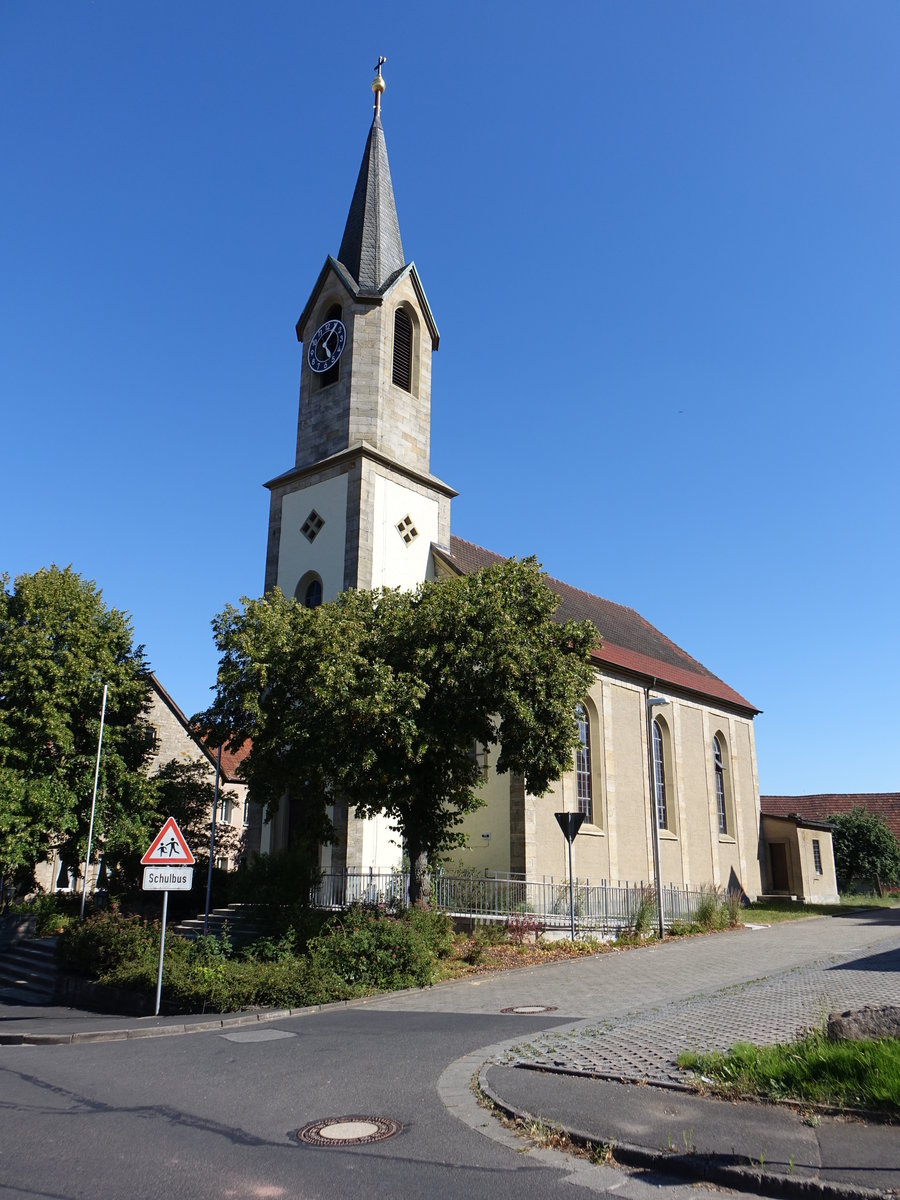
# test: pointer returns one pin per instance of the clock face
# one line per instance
(327, 346)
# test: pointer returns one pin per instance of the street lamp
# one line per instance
(87, 861)
(654, 702)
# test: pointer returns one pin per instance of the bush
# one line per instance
(103, 942)
(707, 914)
(52, 913)
(434, 927)
(371, 952)
(522, 926)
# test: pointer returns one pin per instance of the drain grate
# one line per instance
(530, 1010)
(348, 1131)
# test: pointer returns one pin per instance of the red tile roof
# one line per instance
(629, 642)
(818, 808)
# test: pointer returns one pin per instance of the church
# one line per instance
(667, 760)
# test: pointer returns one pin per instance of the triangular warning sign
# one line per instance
(168, 848)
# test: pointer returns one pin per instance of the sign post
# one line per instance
(570, 823)
(168, 867)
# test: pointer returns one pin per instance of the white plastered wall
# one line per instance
(325, 555)
(395, 563)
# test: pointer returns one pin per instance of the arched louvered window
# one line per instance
(401, 374)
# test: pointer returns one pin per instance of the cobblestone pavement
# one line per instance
(643, 1046)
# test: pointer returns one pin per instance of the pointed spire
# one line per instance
(371, 248)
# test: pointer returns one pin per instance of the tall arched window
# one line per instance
(402, 371)
(721, 796)
(659, 776)
(583, 785)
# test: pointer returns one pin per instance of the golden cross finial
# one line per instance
(378, 83)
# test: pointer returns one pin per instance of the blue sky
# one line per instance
(661, 244)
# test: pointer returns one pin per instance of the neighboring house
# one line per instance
(885, 805)
(799, 857)
(361, 509)
(173, 738)
(793, 870)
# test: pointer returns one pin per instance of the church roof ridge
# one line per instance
(629, 640)
(371, 249)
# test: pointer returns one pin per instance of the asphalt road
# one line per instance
(216, 1114)
(208, 1115)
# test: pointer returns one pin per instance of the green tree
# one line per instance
(59, 644)
(865, 848)
(380, 696)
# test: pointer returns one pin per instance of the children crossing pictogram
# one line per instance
(168, 848)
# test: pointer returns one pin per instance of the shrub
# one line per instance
(706, 914)
(734, 907)
(643, 912)
(521, 926)
(102, 942)
(434, 927)
(52, 914)
(371, 952)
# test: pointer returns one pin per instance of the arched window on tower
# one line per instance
(584, 791)
(309, 590)
(402, 370)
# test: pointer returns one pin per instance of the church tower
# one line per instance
(360, 508)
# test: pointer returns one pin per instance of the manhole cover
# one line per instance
(348, 1131)
(530, 1010)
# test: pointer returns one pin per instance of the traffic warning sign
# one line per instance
(168, 848)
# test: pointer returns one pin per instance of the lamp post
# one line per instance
(212, 841)
(654, 702)
(87, 861)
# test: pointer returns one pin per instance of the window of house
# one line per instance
(659, 777)
(479, 756)
(583, 784)
(224, 812)
(817, 856)
(721, 802)
(401, 374)
(245, 813)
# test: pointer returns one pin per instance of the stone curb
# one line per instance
(697, 1166)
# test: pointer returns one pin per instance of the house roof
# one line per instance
(629, 643)
(822, 805)
(231, 759)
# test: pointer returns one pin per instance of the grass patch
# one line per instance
(864, 1074)
(770, 912)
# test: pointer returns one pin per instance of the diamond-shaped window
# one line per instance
(312, 526)
(407, 530)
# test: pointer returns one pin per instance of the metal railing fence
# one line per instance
(602, 907)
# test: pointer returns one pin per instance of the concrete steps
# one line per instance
(239, 919)
(28, 971)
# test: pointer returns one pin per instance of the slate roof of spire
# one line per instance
(371, 249)
(630, 643)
